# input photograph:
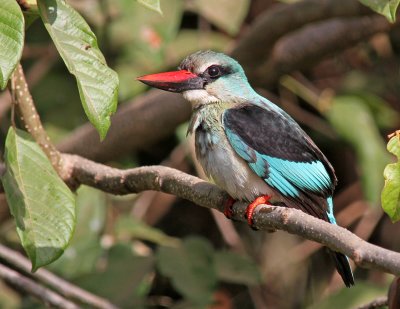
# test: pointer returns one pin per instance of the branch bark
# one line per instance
(255, 46)
(61, 286)
(44, 294)
(168, 180)
(136, 125)
(303, 48)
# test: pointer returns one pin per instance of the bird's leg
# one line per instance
(228, 207)
(263, 199)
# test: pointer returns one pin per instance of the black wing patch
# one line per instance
(278, 150)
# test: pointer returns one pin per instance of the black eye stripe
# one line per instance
(215, 71)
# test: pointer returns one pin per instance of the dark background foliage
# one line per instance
(332, 65)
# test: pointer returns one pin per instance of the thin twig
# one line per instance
(160, 178)
(44, 294)
(59, 285)
(30, 116)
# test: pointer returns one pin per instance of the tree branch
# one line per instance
(168, 180)
(158, 178)
(25, 284)
(254, 47)
(136, 125)
(61, 286)
(303, 48)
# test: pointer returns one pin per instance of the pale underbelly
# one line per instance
(231, 173)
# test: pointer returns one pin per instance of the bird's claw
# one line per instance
(252, 206)
(228, 212)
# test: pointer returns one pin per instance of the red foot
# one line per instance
(250, 209)
(228, 207)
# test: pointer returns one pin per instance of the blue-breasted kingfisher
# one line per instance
(249, 146)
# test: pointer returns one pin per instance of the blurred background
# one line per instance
(332, 65)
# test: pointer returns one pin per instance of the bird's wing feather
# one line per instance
(279, 151)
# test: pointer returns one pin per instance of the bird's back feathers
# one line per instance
(279, 151)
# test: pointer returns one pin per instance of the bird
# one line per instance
(248, 145)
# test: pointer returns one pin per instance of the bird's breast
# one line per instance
(221, 163)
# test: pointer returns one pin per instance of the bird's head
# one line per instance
(205, 77)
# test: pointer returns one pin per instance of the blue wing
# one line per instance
(280, 152)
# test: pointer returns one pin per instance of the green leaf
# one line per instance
(225, 14)
(232, 267)
(85, 245)
(11, 39)
(152, 5)
(77, 45)
(352, 120)
(391, 191)
(386, 117)
(191, 269)
(386, 8)
(41, 203)
(128, 227)
(393, 146)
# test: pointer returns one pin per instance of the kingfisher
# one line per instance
(249, 146)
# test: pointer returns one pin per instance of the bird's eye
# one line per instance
(214, 71)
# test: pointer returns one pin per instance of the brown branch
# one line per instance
(168, 180)
(59, 285)
(29, 115)
(136, 125)
(158, 178)
(376, 303)
(306, 47)
(255, 46)
(44, 294)
(79, 171)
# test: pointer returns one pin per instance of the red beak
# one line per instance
(176, 81)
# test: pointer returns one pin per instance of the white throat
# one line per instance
(199, 96)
